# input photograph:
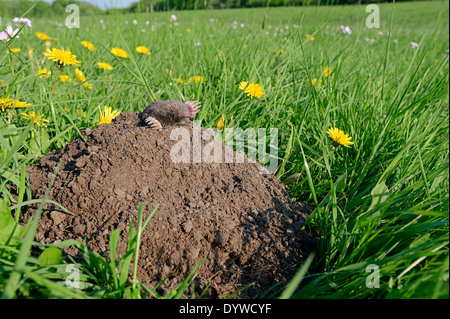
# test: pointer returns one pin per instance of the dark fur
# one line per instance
(171, 112)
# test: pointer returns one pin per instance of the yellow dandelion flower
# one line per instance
(119, 52)
(65, 78)
(42, 36)
(309, 36)
(88, 45)
(196, 79)
(104, 66)
(8, 103)
(14, 50)
(48, 43)
(82, 79)
(30, 52)
(188, 30)
(243, 85)
(61, 57)
(143, 50)
(252, 89)
(36, 118)
(314, 81)
(81, 113)
(179, 81)
(339, 137)
(327, 71)
(220, 123)
(107, 115)
(43, 73)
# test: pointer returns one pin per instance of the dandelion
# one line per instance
(105, 66)
(188, 30)
(81, 113)
(42, 36)
(61, 57)
(14, 50)
(107, 115)
(36, 118)
(30, 52)
(48, 44)
(179, 81)
(327, 71)
(82, 79)
(414, 44)
(314, 81)
(119, 52)
(65, 78)
(309, 36)
(143, 50)
(88, 45)
(196, 79)
(220, 123)
(339, 137)
(43, 73)
(8, 103)
(252, 89)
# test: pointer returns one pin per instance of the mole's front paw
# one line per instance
(153, 123)
(194, 107)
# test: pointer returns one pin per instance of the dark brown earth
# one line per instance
(241, 221)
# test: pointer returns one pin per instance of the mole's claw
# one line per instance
(153, 123)
(193, 107)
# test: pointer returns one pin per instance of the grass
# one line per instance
(382, 202)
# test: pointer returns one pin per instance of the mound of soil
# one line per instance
(241, 221)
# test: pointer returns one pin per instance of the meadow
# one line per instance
(381, 203)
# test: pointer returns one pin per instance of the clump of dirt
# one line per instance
(241, 221)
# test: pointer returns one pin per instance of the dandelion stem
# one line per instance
(56, 79)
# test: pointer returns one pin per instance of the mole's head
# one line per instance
(192, 109)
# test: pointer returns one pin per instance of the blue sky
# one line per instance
(103, 4)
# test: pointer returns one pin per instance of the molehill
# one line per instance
(240, 221)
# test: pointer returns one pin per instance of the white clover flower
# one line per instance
(134, 21)
(173, 18)
(197, 44)
(414, 44)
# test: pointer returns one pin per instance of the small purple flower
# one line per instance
(25, 21)
(4, 36)
(10, 33)
(134, 21)
(346, 30)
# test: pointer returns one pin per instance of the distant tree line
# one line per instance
(16, 8)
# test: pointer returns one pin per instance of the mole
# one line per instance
(172, 112)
